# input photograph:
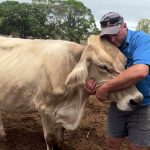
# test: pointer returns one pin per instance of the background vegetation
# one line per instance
(51, 19)
(55, 19)
(144, 25)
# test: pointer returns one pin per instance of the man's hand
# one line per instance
(90, 86)
(101, 93)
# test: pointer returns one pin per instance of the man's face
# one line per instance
(118, 39)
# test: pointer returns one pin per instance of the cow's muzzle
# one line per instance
(134, 104)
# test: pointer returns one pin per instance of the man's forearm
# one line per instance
(127, 78)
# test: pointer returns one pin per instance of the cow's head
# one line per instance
(102, 60)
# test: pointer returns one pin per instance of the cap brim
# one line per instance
(110, 30)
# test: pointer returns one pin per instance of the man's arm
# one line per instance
(124, 80)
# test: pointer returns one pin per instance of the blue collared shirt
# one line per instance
(137, 50)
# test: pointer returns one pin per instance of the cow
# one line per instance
(48, 76)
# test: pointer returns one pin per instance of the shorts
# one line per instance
(135, 125)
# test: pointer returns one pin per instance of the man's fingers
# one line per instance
(90, 86)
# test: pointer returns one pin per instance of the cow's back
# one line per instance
(28, 67)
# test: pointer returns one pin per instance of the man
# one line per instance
(136, 47)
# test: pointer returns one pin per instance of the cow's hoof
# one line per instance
(3, 146)
(57, 147)
(2, 136)
(2, 140)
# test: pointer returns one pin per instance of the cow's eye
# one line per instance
(105, 67)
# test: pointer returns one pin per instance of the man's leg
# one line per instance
(114, 143)
(139, 129)
(116, 127)
(133, 147)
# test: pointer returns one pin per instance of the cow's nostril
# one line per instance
(133, 104)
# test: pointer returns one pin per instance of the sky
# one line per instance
(131, 10)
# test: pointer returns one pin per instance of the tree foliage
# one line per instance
(77, 21)
(69, 19)
(22, 19)
(144, 25)
(57, 19)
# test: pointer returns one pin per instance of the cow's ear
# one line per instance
(79, 74)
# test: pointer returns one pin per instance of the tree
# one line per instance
(78, 21)
(69, 19)
(144, 25)
(23, 19)
(40, 1)
(56, 19)
(5, 15)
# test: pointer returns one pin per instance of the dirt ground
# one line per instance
(24, 132)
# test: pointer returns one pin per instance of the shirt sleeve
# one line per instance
(141, 54)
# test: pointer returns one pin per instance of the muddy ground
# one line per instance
(24, 132)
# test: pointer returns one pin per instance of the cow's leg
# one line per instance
(52, 133)
(2, 131)
(3, 145)
(59, 133)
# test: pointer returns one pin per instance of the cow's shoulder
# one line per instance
(65, 48)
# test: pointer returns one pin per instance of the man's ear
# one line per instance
(125, 26)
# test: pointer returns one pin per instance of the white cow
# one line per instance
(48, 76)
